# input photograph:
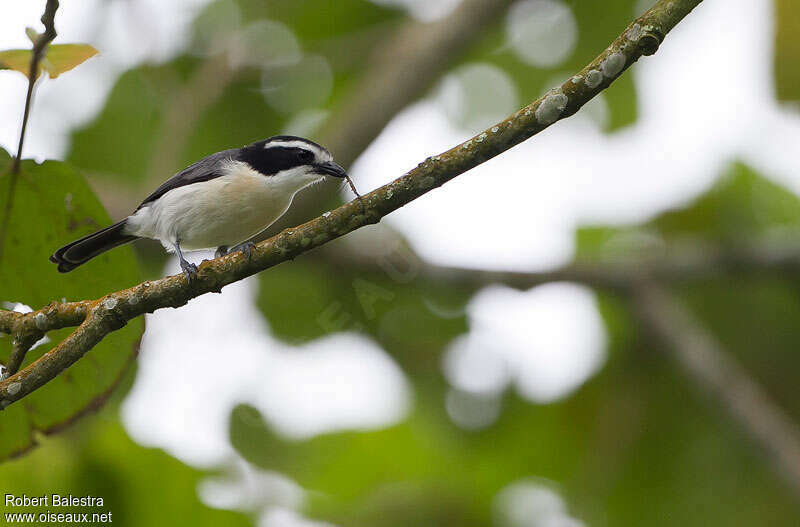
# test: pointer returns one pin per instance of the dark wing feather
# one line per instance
(204, 170)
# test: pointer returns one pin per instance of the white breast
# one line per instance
(226, 210)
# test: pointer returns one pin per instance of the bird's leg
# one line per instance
(189, 269)
(222, 250)
(245, 248)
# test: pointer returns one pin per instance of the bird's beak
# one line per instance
(331, 169)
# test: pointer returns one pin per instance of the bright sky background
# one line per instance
(517, 211)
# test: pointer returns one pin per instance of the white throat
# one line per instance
(293, 180)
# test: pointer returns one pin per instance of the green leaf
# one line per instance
(135, 106)
(58, 59)
(53, 205)
(787, 50)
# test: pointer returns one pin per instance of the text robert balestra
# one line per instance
(52, 500)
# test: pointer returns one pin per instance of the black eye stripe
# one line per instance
(305, 155)
(272, 160)
(302, 155)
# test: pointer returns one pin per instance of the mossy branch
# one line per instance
(98, 318)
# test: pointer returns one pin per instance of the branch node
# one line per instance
(20, 346)
(40, 321)
(650, 40)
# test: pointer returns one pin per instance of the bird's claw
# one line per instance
(246, 248)
(189, 270)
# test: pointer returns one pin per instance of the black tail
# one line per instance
(81, 251)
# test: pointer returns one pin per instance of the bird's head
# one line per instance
(291, 158)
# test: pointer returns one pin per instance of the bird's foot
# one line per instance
(245, 248)
(222, 250)
(189, 270)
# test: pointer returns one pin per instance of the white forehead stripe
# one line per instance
(290, 144)
(295, 144)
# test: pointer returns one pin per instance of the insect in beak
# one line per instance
(332, 169)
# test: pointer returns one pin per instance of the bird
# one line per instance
(220, 202)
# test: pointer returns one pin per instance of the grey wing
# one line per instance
(204, 170)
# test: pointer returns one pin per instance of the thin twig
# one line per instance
(114, 310)
(19, 348)
(48, 19)
(715, 371)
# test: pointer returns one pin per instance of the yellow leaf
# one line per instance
(16, 59)
(59, 58)
(64, 57)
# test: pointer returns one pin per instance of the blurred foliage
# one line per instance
(596, 29)
(636, 445)
(787, 50)
(314, 296)
(134, 106)
(58, 59)
(741, 207)
(52, 206)
(139, 486)
(757, 317)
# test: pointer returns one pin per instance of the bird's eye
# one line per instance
(305, 156)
